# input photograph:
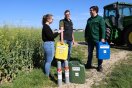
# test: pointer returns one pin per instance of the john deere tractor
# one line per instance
(118, 18)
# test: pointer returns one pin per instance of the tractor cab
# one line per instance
(115, 13)
(118, 19)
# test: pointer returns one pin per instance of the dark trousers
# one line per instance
(90, 54)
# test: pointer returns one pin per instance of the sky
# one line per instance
(29, 13)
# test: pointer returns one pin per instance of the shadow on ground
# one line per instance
(122, 47)
(82, 43)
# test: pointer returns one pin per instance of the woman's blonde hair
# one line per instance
(45, 18)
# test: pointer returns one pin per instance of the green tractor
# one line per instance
(118, 18)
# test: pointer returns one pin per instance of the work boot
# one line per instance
(99, 68)
(88, 66)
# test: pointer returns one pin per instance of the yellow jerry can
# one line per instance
(61, 52)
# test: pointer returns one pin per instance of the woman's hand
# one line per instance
(60, 31)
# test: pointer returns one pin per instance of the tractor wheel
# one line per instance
(128, 37)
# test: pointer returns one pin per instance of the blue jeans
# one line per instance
(69, 42)
(49, 55)
(90, 54)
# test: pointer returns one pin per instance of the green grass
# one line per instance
(79, 36)
(33, 79)
(121, 76)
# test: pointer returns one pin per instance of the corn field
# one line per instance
(20, 50)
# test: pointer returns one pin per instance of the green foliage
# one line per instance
(79, 53)
(79, 36)
(20, 49)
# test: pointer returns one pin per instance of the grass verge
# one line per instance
(33, 79)
(120, 77)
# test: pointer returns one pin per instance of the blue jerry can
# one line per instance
(103, 50)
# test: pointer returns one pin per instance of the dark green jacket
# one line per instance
(95, 29)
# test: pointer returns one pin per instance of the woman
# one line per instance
(48, 38)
